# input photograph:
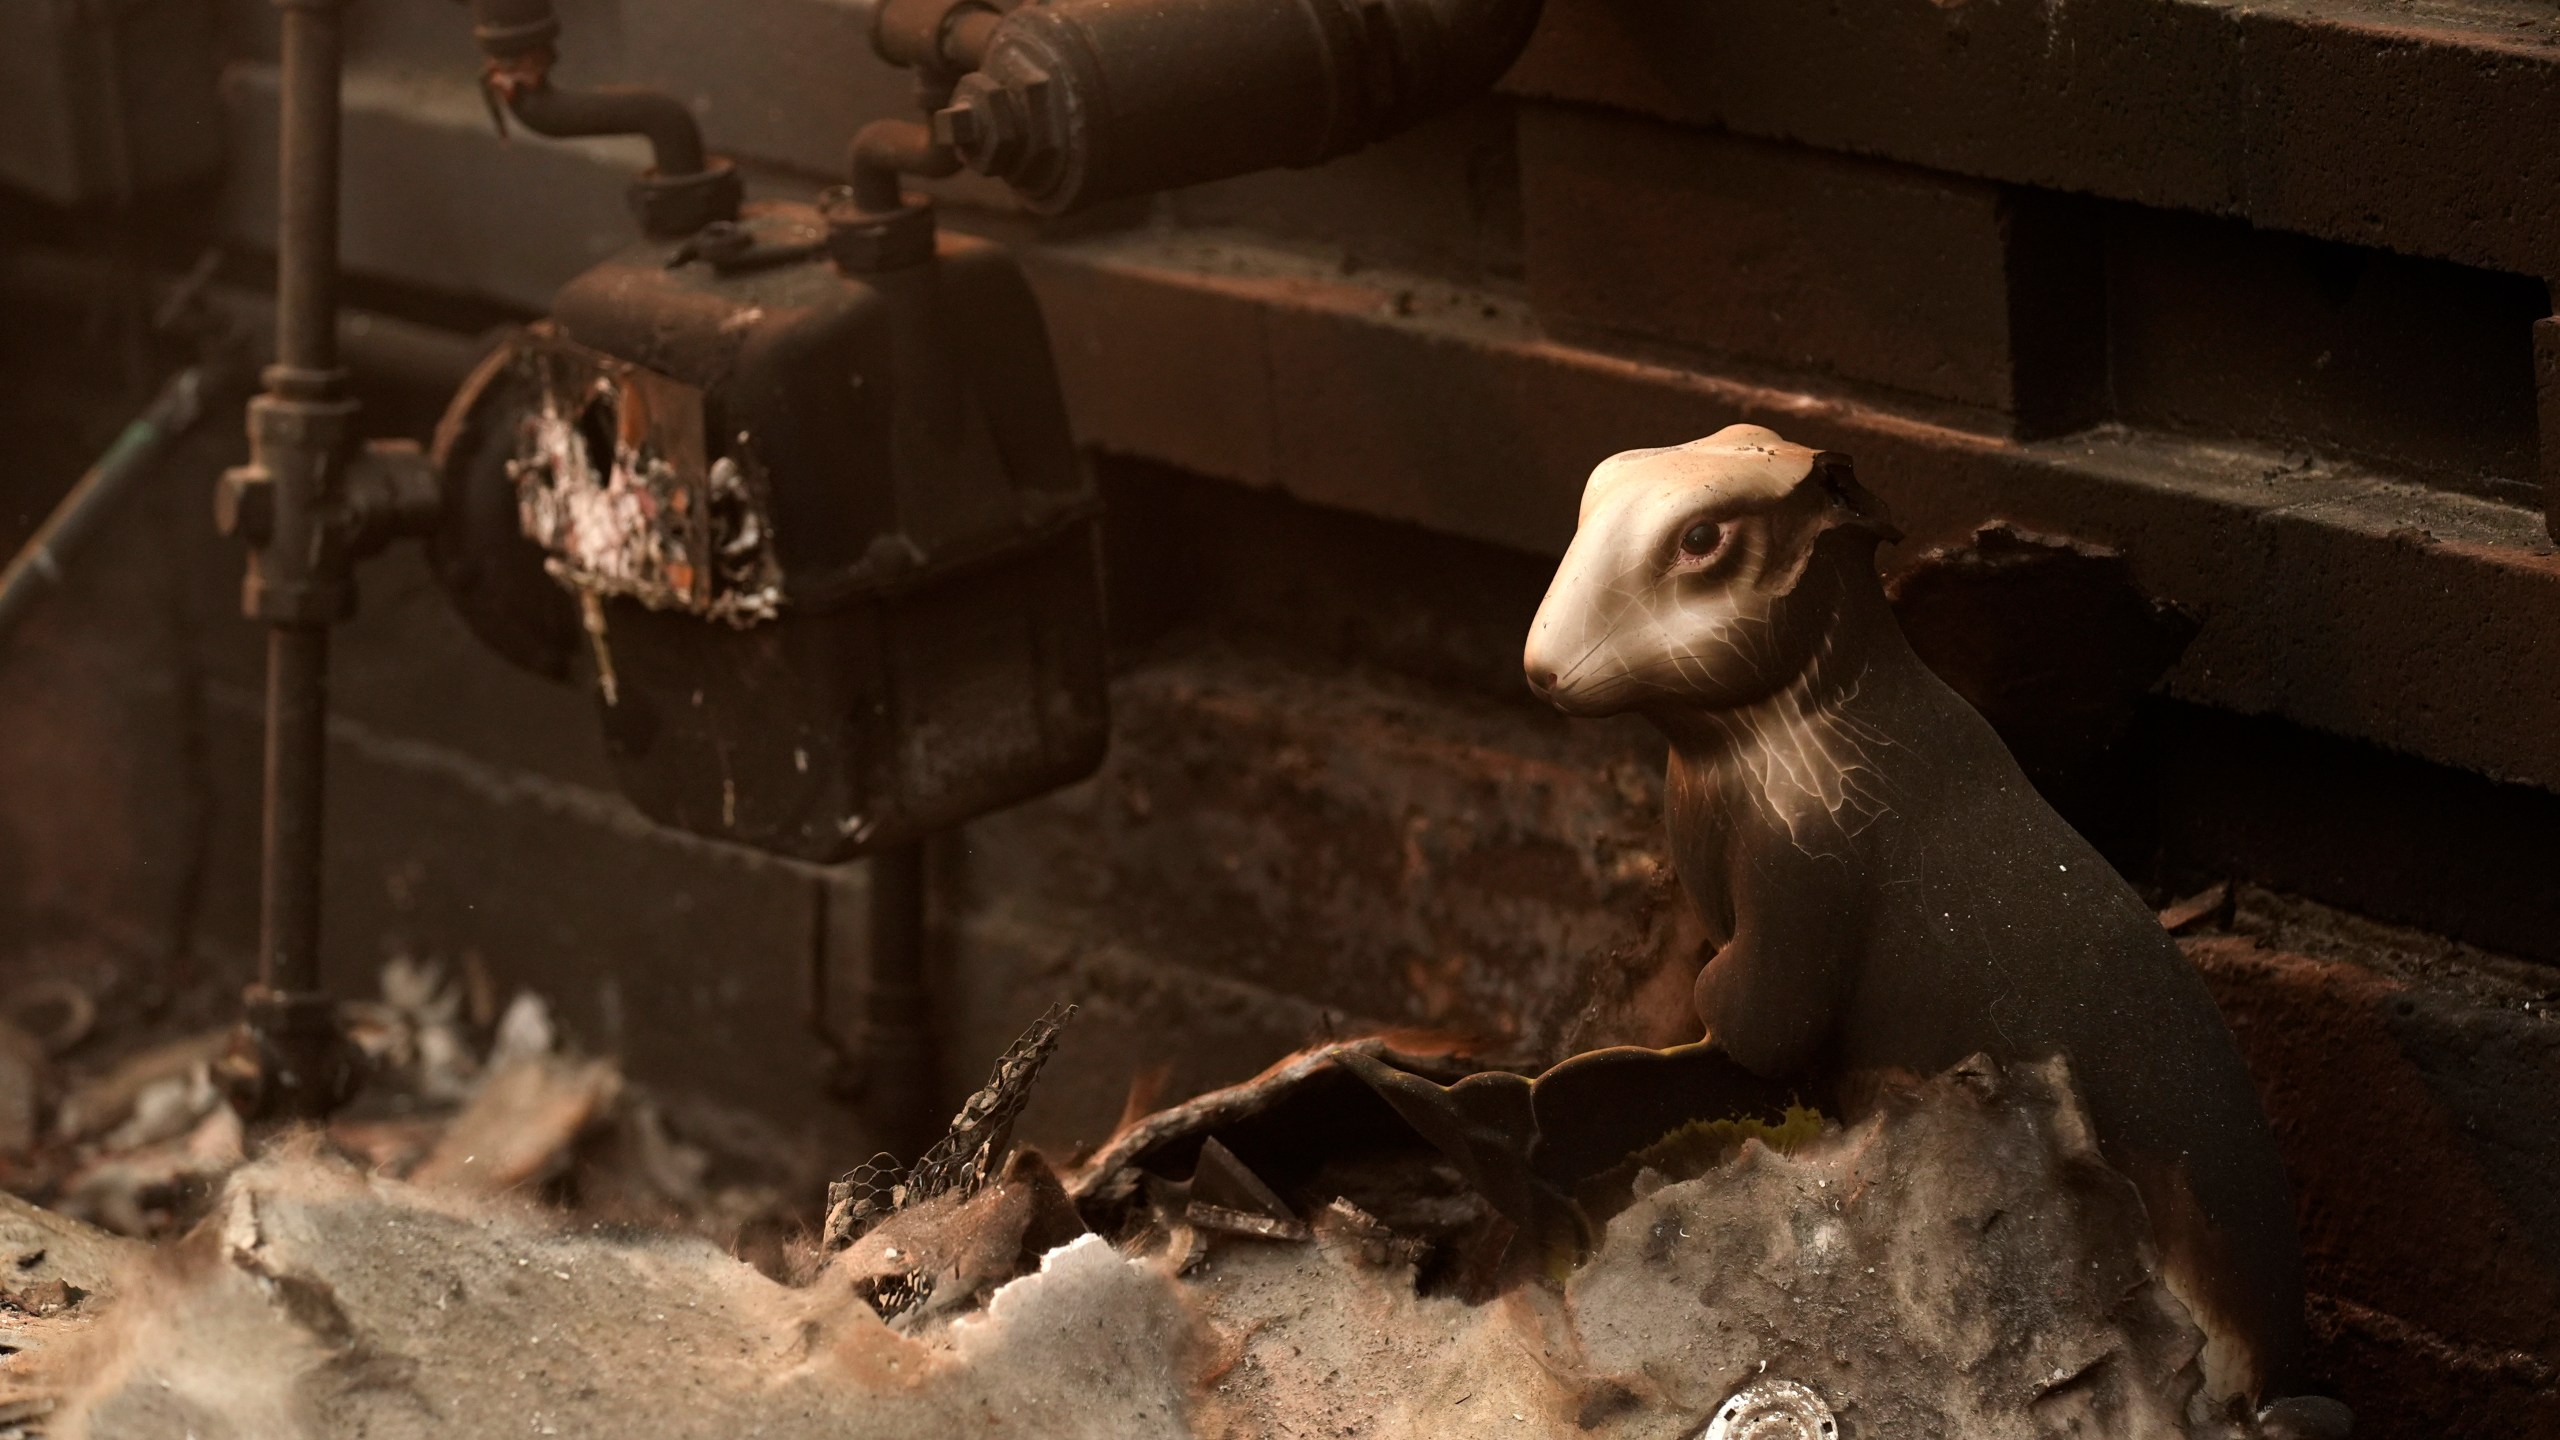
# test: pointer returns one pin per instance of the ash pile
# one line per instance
(1284, 1258)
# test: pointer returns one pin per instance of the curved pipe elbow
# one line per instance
(517, 36)
(884, 151)
(675, 140)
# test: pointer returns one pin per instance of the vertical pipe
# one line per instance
(297, 751)
(299, 1033)
(307, 232)
(897, 1049)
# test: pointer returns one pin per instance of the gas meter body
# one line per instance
(824, 538)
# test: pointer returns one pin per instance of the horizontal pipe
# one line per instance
(1076, 101)
(377, 347)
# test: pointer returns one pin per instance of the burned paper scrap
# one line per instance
(618, 481)
(962, 1160)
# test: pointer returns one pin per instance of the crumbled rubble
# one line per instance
(56, 1277)
(1954, 1264)
(317, 1301)
(1278, 1260)
(463, 1094)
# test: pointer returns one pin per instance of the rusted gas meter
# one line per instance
(805, 496)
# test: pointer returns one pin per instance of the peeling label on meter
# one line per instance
(616, 481)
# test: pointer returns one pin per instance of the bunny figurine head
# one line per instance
(1696, 577)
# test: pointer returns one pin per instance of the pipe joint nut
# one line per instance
(509, 28)
(287, 503)
(1011, 121)
(994, 127)
(671, 207)
(867, 242)
(291, 434)
(505, 42)
(290, 1060)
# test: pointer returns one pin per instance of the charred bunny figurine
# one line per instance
(1884, 889)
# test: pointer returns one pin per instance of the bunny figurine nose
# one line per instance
(1542, 681)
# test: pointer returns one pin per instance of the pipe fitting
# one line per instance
(675, 141)
(938, 37)
(513, 27)
(1075, 101)
(670, 207)
(872, 223)
(311, 502)
(886, 151)
(289, 1060)
(282, 505)
(685, 188)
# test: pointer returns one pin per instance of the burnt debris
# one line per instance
(961, 1162)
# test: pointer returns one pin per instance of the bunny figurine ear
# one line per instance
(1856, 504)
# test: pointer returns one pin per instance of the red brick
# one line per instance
(2355, 121)
(2368, 125)
(1441, 198)
(1209, 411)
(2129, 98)
(1797, 258)
(1390, 852)
(2423, 1141)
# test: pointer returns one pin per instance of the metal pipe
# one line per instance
(965, 38)
(37, 568)
(896, 1043)
(941, 38)
(375, 347)
(675, 140)
(306, 364)
(307, 229)
(1075, 101)
(286, 503)
(518, 36)
(884, 152)
(297, 773)
(513, 27)
(685, 189)
(311, 501)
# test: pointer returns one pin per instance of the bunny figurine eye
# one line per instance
(1701, 539)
